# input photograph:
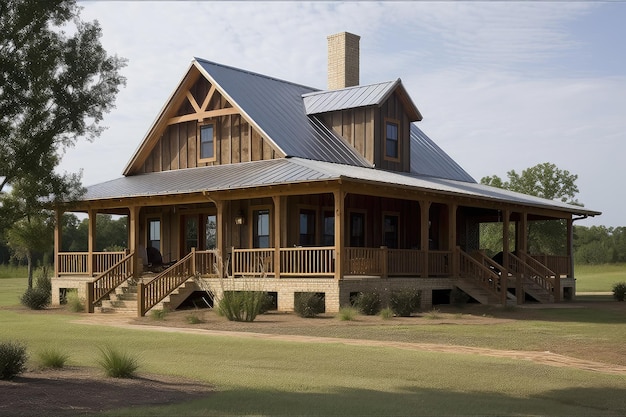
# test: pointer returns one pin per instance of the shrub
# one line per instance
(308, 304)
(368, 303)
(117, 364)
(386, 313)
(619, 291)
(193, 319)
(74, 303)
(52, 358)
(12, 359)
(433, 314)
(242, 305)
(347, 313)
(35, 298)
(158, 314)
(405, 302)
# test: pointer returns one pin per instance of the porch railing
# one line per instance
(77, 263)
(477, 272)
(252, 262)
(403, 262)
(540, 275)
(319, 261)
(108, 281)
(560, 265)
(365, 261)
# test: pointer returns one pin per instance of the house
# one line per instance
(290, 189)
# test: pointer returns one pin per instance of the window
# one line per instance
(261, 228)
(390, 231)
(307, 227)
(391, 141)
(154, 234)
(328, 238)
(207, 142)
(357, 230)
(210, 232)
(191, 233)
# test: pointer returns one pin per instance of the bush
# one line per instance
(74, 303)
(52, 358)
(12, 359)
(347, 313)
(193, 319)
(35, 298)
(368, 303)
(158, 314)
(405, 302)
(308, 304)
(117, 364)
(433, 314)
(619, 291)
(242, 305)
(386, 313)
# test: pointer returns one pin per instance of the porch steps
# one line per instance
(478, 293)
(178, 296)
(123, 300)
(537, 291)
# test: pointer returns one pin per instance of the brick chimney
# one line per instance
(343, 60)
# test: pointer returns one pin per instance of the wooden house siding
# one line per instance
(235, 139)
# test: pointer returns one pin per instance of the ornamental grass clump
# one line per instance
(619, 291)
(52, 358)
(308, 304)
(13, 359)
(74, 303)
(347, 313)
(242, 305)
(117, 364)
(368, 303)
(405, 302)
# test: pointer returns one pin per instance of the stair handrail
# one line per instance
(482, 274)
(543, 269)
(153, 292)
(529, 272)
(108, 281)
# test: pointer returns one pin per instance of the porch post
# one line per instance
(133, 241)
(522, 236)
(505, 255)
(91, 240)
(277, 223)
(570, 248)
(58, 233)
(339, 197)
(424, 234)
(452, 209)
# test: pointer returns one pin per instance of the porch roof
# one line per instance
(283, 171)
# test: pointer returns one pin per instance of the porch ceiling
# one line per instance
(285, 171)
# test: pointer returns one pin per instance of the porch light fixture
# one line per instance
(239, 219)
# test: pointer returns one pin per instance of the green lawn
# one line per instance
(599, 278)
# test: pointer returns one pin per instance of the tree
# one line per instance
(544, 180)
(56, 84)
(27, 236)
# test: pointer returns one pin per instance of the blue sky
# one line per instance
(501, 85)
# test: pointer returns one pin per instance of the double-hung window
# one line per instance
(391, 140)
(207, 142)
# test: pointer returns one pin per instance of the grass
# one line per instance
(348, 313)
(598, 278)
(116, 363)
(11, 289)
(51, 357)
(9, 271)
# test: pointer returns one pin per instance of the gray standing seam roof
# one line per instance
(276, 106)
(348, 98)
(296, 170)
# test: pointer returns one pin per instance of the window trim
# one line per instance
(251, 224)
(398, 141)
(199, 142)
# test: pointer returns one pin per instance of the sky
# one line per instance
(501, 85)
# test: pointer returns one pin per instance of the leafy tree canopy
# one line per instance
(544, 180)
(56, 84)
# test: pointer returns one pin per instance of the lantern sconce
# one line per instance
(239, 218)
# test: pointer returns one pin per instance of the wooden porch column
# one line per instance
(570, 247)
(277, 223)
(339, 197)
(522, 235)
(505, 254)
(424, 235)
(58, 243)
(133, 238)
(452, 209)
(91, 240)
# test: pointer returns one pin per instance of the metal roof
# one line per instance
(277, 109)
(348, 98)
(429, 159)
(296, 170)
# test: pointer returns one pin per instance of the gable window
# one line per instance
(391, 140)
(207, 142)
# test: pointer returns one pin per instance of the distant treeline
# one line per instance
(599, 244)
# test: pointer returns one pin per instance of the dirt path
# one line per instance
(544, 358)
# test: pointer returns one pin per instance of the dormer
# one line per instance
(375, 119)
